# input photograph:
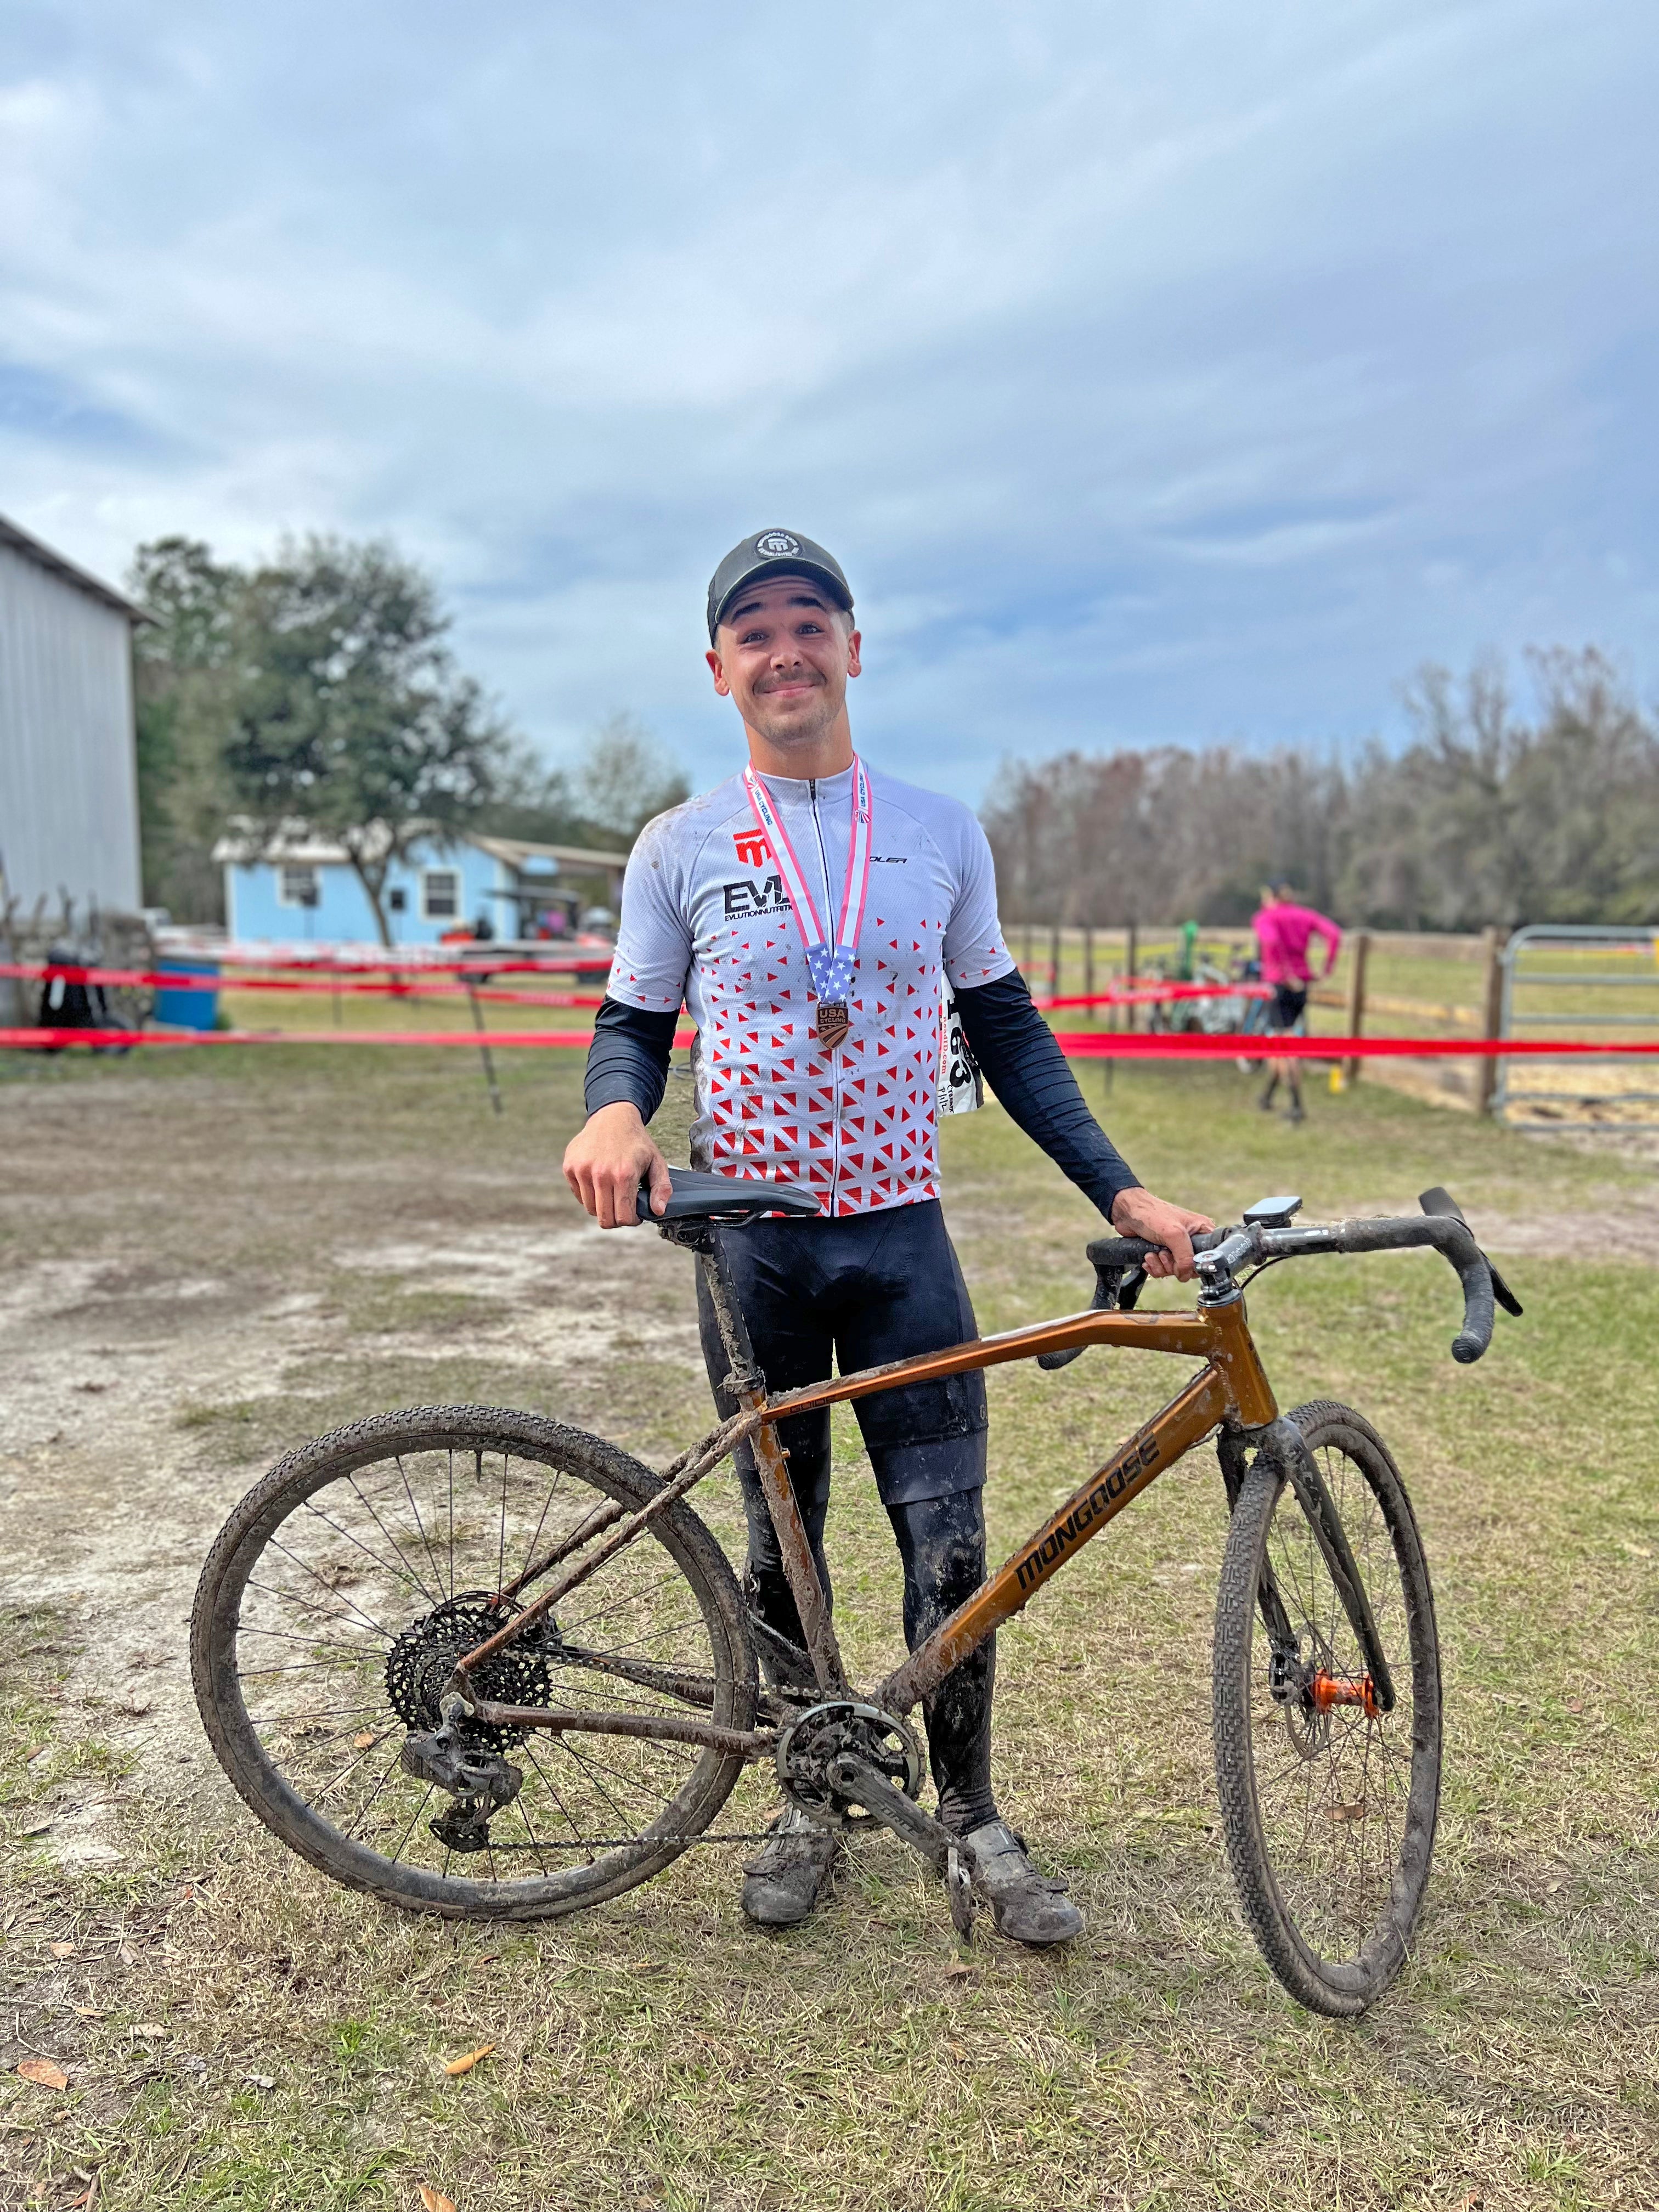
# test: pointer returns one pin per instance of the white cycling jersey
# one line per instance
(706, 921)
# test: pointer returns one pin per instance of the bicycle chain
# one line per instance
(623, 1843)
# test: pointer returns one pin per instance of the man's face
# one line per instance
(784, 653)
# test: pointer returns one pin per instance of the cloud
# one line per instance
(1158, 374)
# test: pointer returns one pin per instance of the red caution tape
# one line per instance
(508, 1040)
(1111, 1044)
(399, 986)
(1160, 994)
(1076, 1044)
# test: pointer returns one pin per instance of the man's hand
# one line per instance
(1138, 1213)
(608, 1160)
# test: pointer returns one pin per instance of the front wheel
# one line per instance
(1328, 1803)
(334, 1605)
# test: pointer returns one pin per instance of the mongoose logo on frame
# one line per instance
(1072, 1530)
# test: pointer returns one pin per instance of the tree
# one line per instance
(1489, 819)
(182, 667)
(1486, 817)
(349, 720)
(625, 779)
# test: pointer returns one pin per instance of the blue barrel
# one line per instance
(187, 1009)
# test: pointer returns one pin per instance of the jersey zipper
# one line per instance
(835, 1057)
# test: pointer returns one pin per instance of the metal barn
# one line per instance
(69, 769)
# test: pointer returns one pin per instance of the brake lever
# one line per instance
(1440, 1200)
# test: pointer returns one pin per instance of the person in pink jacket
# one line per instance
(1284, 932)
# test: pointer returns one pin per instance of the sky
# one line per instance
(1186, 374)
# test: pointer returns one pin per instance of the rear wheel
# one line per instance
(334, 1605)
(1330, 1804)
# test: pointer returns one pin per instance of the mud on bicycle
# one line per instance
(476, 1662)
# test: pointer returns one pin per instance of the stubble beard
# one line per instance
(799, 730)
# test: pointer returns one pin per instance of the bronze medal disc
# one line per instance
(833, 1022)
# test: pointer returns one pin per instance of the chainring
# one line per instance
(815, 1740)
(422, 1659)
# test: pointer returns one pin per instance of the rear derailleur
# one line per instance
(480, 1780)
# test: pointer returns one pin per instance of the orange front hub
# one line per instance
(1328, 1690)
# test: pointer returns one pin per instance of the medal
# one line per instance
(831, 967)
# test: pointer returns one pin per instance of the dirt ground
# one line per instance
(173, 1293)
(205, 1264)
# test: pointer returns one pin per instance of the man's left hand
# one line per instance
(1138, 1213)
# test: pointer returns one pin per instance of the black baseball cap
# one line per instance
(774, 553)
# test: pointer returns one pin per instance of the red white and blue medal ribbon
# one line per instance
(831, 967)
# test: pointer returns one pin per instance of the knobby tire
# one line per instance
(1333, 1908)
(259, 1543)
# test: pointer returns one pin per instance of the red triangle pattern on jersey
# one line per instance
(858, 1125)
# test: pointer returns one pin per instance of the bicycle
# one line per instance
(557, 1650)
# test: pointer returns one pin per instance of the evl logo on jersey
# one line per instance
(752, 899)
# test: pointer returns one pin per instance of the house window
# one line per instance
(296, 884)
(440, 894)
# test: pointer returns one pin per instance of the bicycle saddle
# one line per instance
(725, 1198)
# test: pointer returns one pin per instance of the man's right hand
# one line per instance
(605, 1163)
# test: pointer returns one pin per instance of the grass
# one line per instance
(237, 2031)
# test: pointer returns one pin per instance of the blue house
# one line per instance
(304, 891)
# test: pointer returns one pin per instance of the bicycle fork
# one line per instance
(1287, 1448)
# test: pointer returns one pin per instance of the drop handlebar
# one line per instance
(1220, 1251)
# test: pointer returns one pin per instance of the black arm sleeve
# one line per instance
(629, 1058)
(1026, 1067)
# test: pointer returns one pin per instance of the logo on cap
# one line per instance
(777, 545)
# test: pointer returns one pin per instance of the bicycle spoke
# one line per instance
(437, 1572)
(342, 1651)
(386, 1533)
(398, 1566)
(1332, 1787)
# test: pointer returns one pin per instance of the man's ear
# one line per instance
(721, 684)
(854, 647)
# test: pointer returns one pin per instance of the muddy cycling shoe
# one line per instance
(1026, 1906)
(790, 1871)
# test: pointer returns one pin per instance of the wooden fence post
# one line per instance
(1089, 960)
(1361, 944)
(1054, 962)
(1028, 962)
(1491, 1018)
(1130, 956)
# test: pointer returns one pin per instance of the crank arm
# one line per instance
(883, 1802)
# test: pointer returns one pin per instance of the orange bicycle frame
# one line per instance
(1231, 1386)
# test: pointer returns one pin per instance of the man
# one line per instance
(810, 912)
(1283, 932)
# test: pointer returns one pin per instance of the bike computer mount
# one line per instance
(1273, 1213)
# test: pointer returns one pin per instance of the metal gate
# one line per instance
(1614, 971)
